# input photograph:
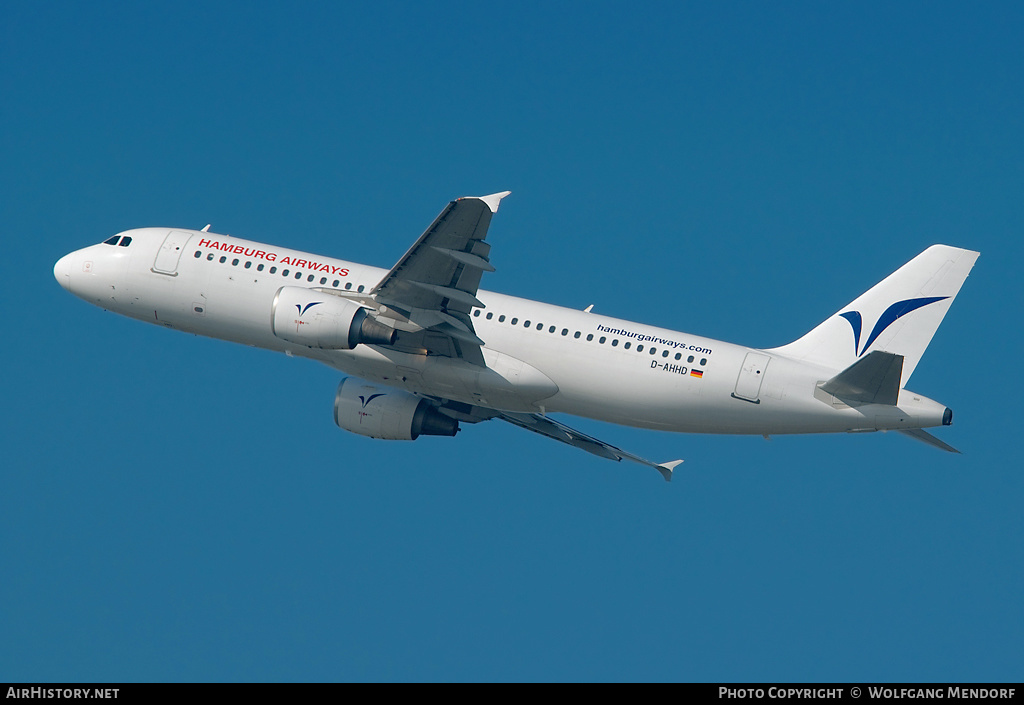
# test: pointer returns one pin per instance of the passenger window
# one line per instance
(590, 336)
(348, 285)
(490, 315)
(565, 331)
(526, 324)
(259, 267)
(284, 272)
(551, 329)
(209, 257)
(514, 321)
(639, 348)
(336, 282)
(665, 353)
(652, 351)
(703, 361)
(615, 341)
(223, 260)
(540, 326)
(690, 359)
(273, 270)
(576, 335)
(298, 275)
(360, 289)
(501, 318)
(679, 356)
(627, 345)
(234, 263)
(198, 254)
(476, 313)
(602, 340)
(323, 280)
(248, 265)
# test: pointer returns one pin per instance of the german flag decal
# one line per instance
(697, 373)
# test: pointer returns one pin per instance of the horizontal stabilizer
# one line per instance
(874, 379)
(928, 438)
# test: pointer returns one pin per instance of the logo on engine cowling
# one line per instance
(365, 401)
(302, 310)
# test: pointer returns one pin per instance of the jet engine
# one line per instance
(319, 320)
(390, 414)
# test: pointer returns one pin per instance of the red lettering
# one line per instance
(204, 243)
(344, 272)
(286, 260)
(299, 263)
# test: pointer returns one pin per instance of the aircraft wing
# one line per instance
(546, 426)
(431, 291)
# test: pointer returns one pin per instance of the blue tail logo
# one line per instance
(890, 316)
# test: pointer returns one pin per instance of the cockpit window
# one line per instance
(111, 241)
(125, 241)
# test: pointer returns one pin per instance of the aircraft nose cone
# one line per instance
(62, 271)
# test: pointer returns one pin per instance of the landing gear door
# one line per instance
(748, 384)
(170, 252)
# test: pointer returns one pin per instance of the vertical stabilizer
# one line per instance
(898, 315)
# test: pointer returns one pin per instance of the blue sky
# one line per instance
(177, 508)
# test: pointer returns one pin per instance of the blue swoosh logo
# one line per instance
(308, 306)
(367, 400)
(888, 317)
(855, 322)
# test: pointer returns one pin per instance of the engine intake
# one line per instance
(318, 320)
(390, 414)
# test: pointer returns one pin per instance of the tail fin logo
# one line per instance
(890, 316)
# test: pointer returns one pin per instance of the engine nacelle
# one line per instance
(388, 413)
(318, 320)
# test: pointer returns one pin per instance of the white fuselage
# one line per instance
(539, 357)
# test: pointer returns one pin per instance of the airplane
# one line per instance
(427, 350)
